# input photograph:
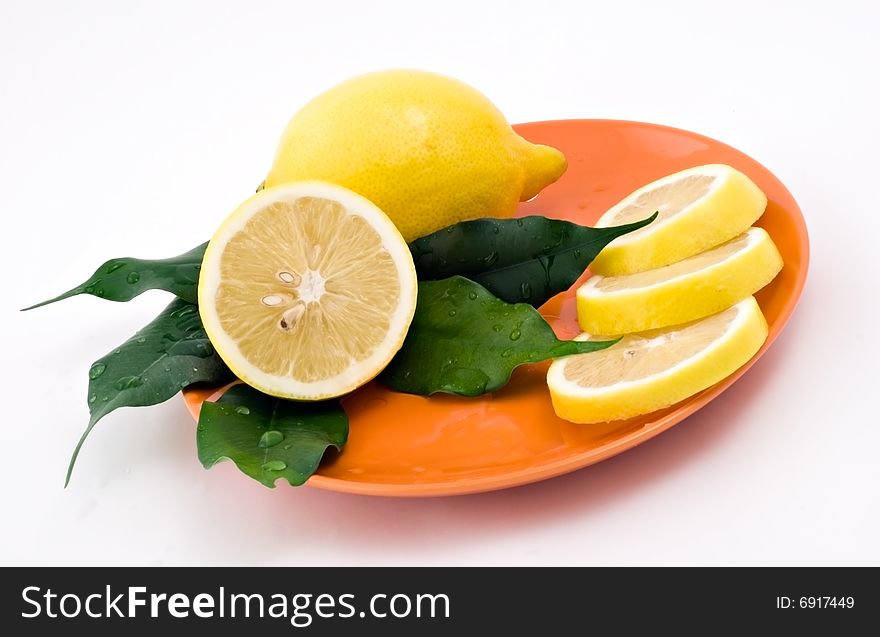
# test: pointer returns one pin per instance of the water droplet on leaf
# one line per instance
(244, 411)
(525, 290)
(128, 382)
(274, 465)
(270, 439)
(96, 370)
(515, 334)
(133, 277)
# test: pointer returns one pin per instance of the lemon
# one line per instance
(699, 208)
(427, 149)
(307, 290)
(652, 370)
(684, 291)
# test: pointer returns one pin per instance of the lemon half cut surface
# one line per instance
(307, 290)
(699, 208)
(684, 291)
(645, 372)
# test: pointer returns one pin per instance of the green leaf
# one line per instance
(125, 278)
(524, 260)
(167, 355)
(269, 438)
(465, 341)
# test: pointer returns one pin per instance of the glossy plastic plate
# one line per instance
(401, 445)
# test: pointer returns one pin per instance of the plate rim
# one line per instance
(561, 466)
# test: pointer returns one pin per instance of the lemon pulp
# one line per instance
(307, 290)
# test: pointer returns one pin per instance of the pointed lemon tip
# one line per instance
(544, 165)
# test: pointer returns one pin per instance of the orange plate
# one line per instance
(401, 445)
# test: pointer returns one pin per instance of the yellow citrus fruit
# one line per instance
(307, 290)
(699, 208)
(427, 149)
(684, 291)
(649, 371)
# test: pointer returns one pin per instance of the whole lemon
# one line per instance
(427, 149)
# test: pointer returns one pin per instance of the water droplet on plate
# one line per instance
(96, 370)
(270, 439)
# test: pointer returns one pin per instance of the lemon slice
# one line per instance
(685, 291)
(645, 372)
(699, 208)
(307, 290)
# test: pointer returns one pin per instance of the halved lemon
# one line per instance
(699, 208)
(307, 290)
(649, 371)
(685, 291)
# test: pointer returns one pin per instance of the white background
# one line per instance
(132, 128)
